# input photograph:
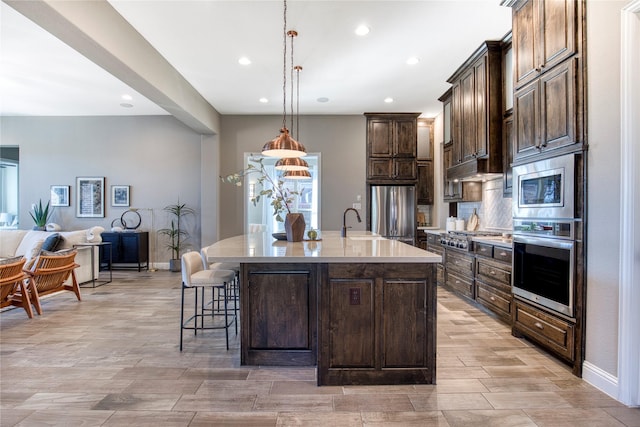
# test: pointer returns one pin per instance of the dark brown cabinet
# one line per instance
(545, 113)
(507, 153)
(477, 113)
(493, 279)
(425, 182)
(376, 324)
(279, 314)
(544, 35)
(128, 250)
(548, 78)
(392, 148)
(459, 270)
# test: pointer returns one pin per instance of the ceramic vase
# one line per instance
(294, 226)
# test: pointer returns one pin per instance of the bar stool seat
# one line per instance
(196, 277)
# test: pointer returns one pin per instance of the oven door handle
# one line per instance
(550, 243)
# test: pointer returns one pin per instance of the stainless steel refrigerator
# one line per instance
(393, 210)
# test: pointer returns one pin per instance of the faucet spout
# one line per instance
(344, 220)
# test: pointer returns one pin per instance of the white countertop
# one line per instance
(357, 247)
(496, 241)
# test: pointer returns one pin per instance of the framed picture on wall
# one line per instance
(60, 195)
(90, 197)
(120, 195)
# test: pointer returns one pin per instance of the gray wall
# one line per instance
(341, 142)
(157, 156)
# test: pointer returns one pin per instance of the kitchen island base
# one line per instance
(368, 323)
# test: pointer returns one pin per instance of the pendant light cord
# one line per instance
(284, 68)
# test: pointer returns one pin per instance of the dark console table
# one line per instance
(129, 249)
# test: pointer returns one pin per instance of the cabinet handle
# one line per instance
(492, 298)
(457, 282)
(503, 254)
(493, 272)
(483, 250)
(539, 325)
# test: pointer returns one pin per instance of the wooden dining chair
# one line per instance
(50, 273)
(13, 287)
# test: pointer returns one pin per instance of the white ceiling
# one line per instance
(40, 75)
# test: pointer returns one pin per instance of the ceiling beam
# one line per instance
(96, 30)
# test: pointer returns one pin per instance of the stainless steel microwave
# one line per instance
(545, 188)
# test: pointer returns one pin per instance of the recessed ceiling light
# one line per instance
(244, 61)
(126, 105)
(388, 100)
(362, 30)
(323, 99)
(413, 60)
(264, 100)
(127, 97)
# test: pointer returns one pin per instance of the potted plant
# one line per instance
(177, 236)
(40, 215)
(281, 197)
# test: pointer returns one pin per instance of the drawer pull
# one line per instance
(493, 272)
(483, 250)
(503, 254)
(492, 298)
(457, 282)
(538, 325)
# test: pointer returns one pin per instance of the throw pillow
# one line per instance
(51, 243)
(6, 261)
(63, 252)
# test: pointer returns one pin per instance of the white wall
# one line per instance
(157, 156)
(603, 157)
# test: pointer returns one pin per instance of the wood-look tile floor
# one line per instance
(113, 360)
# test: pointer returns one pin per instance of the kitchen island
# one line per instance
(362, 307)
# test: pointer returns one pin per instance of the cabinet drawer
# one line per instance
(493, 272)
(502, 254)
(460, 285)
(552, 332)
(461, 263)
(433, 239)
(436, 249)
(495, 300)
(483, 249)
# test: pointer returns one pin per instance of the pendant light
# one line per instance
(295, 168)
(299, 174)
(284, 145)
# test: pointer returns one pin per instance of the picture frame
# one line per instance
(60, 195)
(120, 195)
(90, 197)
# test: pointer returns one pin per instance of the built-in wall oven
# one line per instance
(544, 233)
(544, 263)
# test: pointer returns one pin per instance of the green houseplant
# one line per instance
(177, 236)
(40, 215)
(272, 188)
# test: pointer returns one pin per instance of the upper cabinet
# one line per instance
(476, 113)
(548, 111)
(392, 147)
(544, 35)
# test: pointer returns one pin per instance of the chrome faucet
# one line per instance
(344, 220)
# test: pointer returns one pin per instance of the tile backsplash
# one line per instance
(494, 212)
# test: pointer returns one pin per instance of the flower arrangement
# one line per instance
(281, 196)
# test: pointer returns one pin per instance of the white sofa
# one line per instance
(28, 243)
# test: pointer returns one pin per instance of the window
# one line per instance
(260, 217)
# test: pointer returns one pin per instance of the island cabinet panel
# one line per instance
(377, 324)
(279, 314)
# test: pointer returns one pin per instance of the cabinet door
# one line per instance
(130, 248)
(468, 125)
(480, 105)
(405, 138)
(507, 153)
(114, 239)
(380, 138)
(452, 190)
(405, 168)
(558, 106)
(425, 182)
(404, 323)
(526, 120)
(446, 121)
(456, 154)
(525, 35)
(557, 21)
(380, 168)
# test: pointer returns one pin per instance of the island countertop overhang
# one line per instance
(358, 247)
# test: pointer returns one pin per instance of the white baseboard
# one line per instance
(602, 380)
